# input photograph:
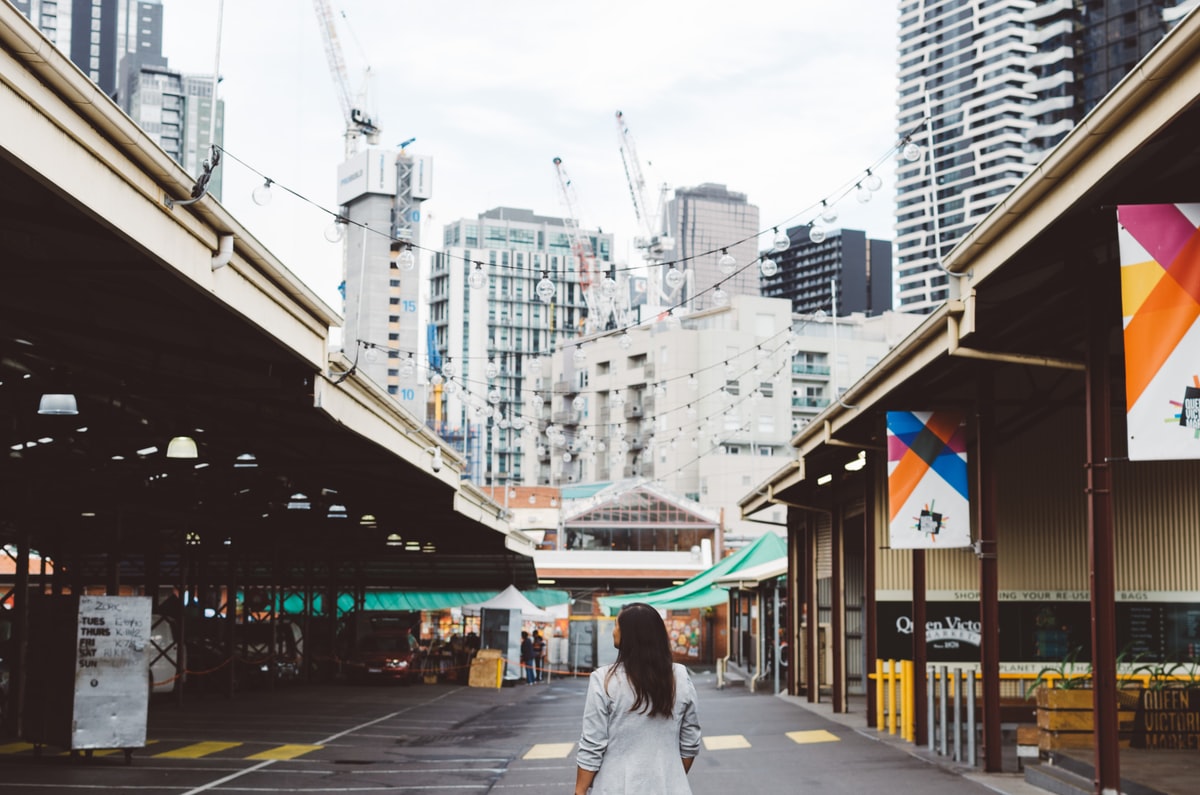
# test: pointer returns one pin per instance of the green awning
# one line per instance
(427, 600)
(701, 590)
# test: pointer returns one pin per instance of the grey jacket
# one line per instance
(634, 753)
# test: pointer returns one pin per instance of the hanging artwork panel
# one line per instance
(928, 503)
(1160, 304)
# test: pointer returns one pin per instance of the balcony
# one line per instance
(571, 417)
(564, 387)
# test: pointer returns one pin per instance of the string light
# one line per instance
(477, 279)
(406, 259)
(727, 263)
(262, 194)
(768, 267)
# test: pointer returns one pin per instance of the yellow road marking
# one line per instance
(549, 751)
(723, 742)
(196, 750)
(817, 736)
(286, 752)
(15, 748)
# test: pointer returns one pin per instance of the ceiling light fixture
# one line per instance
(58, 403)
(183, 447)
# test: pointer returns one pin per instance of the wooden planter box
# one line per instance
(1065, 718)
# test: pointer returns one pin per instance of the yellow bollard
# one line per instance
(891, 680)
(907, 712)
(879, 685)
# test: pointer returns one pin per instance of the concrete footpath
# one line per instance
(756, 743)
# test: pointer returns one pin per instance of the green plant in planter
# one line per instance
(1161, 675)
(1067, 674)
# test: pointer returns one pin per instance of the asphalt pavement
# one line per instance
(449, 739)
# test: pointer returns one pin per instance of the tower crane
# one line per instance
(652, 242)
(581, 249)
(358, 121)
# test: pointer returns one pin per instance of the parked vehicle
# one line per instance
(267, 652)
(383, 655)
(380, 644)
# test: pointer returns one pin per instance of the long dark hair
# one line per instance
(645, 654)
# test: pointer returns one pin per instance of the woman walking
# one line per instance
(640, 729)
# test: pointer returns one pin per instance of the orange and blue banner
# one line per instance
(1160, 302)
(928, 500)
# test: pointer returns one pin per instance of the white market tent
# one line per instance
(511, 599)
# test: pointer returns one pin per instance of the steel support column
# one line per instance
(837, 606)
(989, 578)
(869, 547)
(920, 657)
(812, 633)
(1101, 558)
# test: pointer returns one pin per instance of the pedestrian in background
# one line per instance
(640, 727)
(539, 655)
(527, 657)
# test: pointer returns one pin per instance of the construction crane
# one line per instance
(581, 249)
(652, 242)
(358, 121)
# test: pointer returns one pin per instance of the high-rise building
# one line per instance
(707, 222)
(986, 87)
(846, 262)
(118, 44)
(380, 192)
(488, 337)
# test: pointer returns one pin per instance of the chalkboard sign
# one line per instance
(1167, 718)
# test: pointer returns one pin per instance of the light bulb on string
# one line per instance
(336, 230)
(862, 193)
(436, 379)
(912, 152)
(408, 367)
(625, 341)
(406, 259)
(720, 297)
(566, 457)
(545, 289)
(782, 242)
(816, 233)
(517, 423)
(492, 369)
(477, 279)
(674, 277)
(578, 402)
(828, 214)
(537, 402)
(691, 412)
(450, 369)
(692, 383)
(578, 356)
(451, 387)
(503, 422)
(768, 267)
(262, 194)
(608, 287)
(726, 264)
(493, 396)
(872, 182)
(660, 389)
(370, 353)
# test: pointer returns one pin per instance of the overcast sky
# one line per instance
(785, 102)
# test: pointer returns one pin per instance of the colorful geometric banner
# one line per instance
(928, 505)
(1160, 301)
